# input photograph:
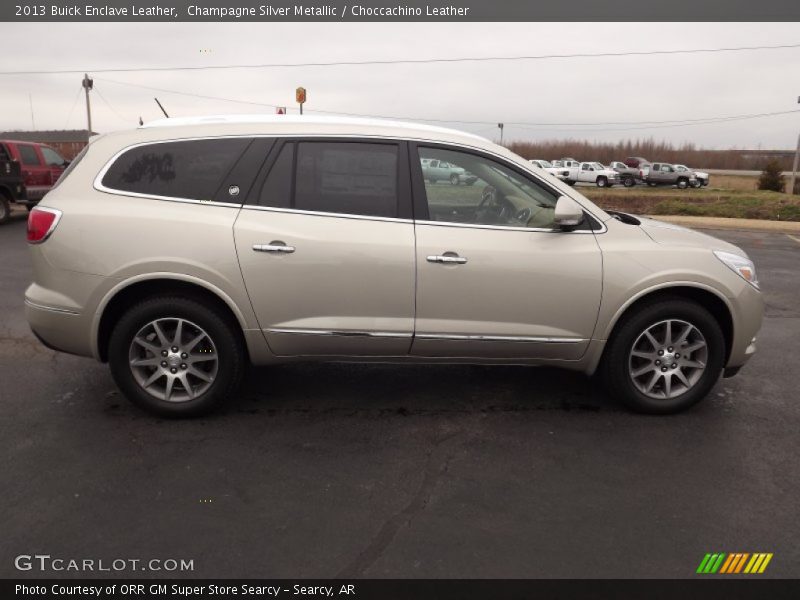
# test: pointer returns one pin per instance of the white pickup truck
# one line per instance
(572, 172)
(546, 165)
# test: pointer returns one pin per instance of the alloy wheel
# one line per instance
(668, 359)
(173, 359)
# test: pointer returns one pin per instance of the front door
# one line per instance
(326, 247)
(494, 278)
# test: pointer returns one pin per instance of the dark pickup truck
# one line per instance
(12, 186)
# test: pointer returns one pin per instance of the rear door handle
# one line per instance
(450, 258)
(276, 247)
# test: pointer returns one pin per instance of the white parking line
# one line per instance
(794, 238)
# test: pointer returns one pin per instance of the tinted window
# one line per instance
(190, 169)
(28, 155)
(277, 189)
(344, 177)
(51, 157)
(482, 191)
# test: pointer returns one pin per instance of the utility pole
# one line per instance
(500, 125)
(87, 85)
(33, 121)
(796, 160)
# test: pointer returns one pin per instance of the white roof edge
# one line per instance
(302, 120)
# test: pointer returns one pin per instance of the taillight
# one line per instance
(41, 224)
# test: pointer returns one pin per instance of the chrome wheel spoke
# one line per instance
(668, 383)
(196, 358)
(643, 370)
(146, 345)
(652, 340)
(695, 347)
(169, 387)
(668, 334)
(200, 375)
(176, 339)
(160, 333)
(682, 378)
(656, 376)
(190, 346)
(684, 335)
(153, 378)
(694, 364)
(185, 383)
(640, 354)
(146, 362)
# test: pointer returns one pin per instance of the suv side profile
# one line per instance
(183, 250)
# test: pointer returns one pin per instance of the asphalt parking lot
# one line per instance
(402, 471)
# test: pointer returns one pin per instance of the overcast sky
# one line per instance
(575, 91)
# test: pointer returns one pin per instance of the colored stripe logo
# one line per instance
(733, 563)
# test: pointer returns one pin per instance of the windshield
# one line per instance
(598, 166)
(544, 164)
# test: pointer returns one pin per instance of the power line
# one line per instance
(111, 108)
(523, 124)
(407, 61)
(74, 103)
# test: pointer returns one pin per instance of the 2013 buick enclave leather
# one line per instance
(182, 250)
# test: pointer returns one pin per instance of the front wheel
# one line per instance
(682, 183)
(176, 357)
(664, 357)
(602, 182)
(454, 180)
(628, 182)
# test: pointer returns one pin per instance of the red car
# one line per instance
(40, 167)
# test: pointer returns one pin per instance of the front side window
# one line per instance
(190, 169)
(28, 155)
(486, 193)
(355, 178)
(52, 158)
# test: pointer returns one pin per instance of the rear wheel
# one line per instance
(628, 182)
(176, 357)
(5, 209)
(664, 357)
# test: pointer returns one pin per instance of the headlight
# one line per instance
(740, 265)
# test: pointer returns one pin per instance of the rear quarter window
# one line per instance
(186, 169)
(28, 155)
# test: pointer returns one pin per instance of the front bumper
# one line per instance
(748, 313)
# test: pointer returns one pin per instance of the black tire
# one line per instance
(696, 184)
(5, 209)
(651, 184)
(628, 182)
(454, 179)
(682, 183)
(602, 181)
(219, 327)
(570, 183)
(614, 368)
(705, 183)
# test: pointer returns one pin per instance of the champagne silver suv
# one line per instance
(186, 249)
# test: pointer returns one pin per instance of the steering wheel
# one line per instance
(492, 208)
(523, 216)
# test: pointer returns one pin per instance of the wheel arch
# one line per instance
(129, 292)
(706, 297)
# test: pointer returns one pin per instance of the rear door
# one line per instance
(326, 247)
(54, 162)
(36, 174)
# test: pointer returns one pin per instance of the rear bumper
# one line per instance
(58, 329)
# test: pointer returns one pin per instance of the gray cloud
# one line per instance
(585, 90)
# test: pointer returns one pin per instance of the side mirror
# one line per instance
(568, 213)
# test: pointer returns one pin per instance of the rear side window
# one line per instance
(346, 177)
(356, 178)
(190, 169)
(28, 155)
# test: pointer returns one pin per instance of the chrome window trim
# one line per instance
(498, 338)
(342, 333)
(315, 213)
(529, 170)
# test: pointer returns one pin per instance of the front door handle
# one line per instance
(276, 247)
(450, 258)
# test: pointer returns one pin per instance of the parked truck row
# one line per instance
(632, 171)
